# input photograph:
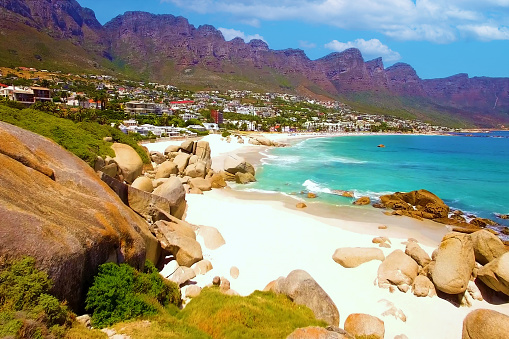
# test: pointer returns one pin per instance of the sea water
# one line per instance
(469, 172)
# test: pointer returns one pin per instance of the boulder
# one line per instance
(260, 140)
(157, 157)
(166, 169)
(302, 289)
(423, 287)
(55, 208)
(482, 222)
(187, 146)
(227, 176)
(234, 164)
(192, 291)
(186, 250)
(244, 178)
(315, 332)
(424, 201)
(234, 272)
(347, 194)
(417, 253)
(171, 149)
(354, 256)
(143, 184)
(182, 161)
(202, 267)
(200, 183)
(111, 169)
(454, 263)
(217, 181)
(482, 324)
(196, 170)
(397, 269)
(128, 161)
(362, 201)
(495, 274)
(365, 326)
(182, 275)
(203, 151)
(180, 228)
(212, 238)
(487, 246)
(301, 205)
(172, 190)
(193, 159)
(311, 195)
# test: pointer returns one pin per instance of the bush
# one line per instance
(119, 292)
(225, 134)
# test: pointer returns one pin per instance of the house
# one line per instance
(211, 126)
(140, 108)
(26, 95)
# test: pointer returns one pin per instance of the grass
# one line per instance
(84, 139)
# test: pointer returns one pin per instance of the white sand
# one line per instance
(266, 240)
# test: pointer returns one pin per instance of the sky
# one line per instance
(439, 38)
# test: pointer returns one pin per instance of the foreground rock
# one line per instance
(128, 161)
(496, 274)
(302, 289)
(487, 246)
(354, 256)
(70, 221)
(365, 326)
(397, 269)
(483, 324)
(454, 263)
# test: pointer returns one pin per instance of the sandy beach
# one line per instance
(267, 237)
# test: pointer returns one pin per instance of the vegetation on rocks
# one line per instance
(84, 139)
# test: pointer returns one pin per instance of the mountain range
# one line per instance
(60, 34)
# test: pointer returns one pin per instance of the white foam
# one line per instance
(315, 187)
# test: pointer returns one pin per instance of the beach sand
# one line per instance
(267, 237)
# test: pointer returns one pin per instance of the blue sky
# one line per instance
(438, 38)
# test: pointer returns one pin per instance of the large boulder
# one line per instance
(423, 287)
(365, 326)
(181, 160)
(196, 170)
(171, 149)
(354, 256)
(186, 250)
(173, 191)
(244, 178)
(362, 201)
(165, 169)
(417, 253)
(143, 184)
(201, 184)
(482, 324)
(260, 140)
(187, 146)
(397, 269)
(454, 263)
(128, 161)
(235, 163)
(54, 207)
(300, 287)
(157, 157)
(217, 181)
(495, 274)
(487, 246)
(430, 206)
(203, 152)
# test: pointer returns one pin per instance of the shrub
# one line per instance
(119, 292)
(225, 134)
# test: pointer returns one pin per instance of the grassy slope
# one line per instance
(84, 139)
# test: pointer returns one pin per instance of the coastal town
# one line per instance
(156, 110)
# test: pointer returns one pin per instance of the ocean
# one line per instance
(470, 172)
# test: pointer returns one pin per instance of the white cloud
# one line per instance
(486, 32)
(230, 34)
(370, 48)
(430, 20)
(306, 44)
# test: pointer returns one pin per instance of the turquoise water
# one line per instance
(468, 173)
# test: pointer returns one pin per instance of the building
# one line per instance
(217, 116)
(140, 108)
(211, 126)
(26, 95)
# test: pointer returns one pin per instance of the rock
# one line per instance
(301, 205)
(111, 169)
(384, 245)
(193, 159)
(382, 227)
(354, 256)
(192, 291)
(202, 267)
(381, 146)
(172, 190)
(216, 281)
(380, 240)
(203, 152)
(157, 157)
(84, 320)
(55, 208)
(201, 184)
(424, 201)
(302, 289)
(454, 263)
(417, 253)
(234, 272)
(244, 178)
(482, 222)
(378, 205)
(143, 184)
(495, 274)
(315, 332)
(423, 287)
(181, 160)
(182, 275)
(362, 201)
(212, 238)
(128, 161)
(186, 250)
(482, 324)
(227, 176)
(187, 146)
(503, 216)
(180, 228)
(194, 190)
(166, 169)
(171, 149)
(234, 164)
(347, 194)
(196, 170)
(487, 246)
(365, 326)
(260, 140)
(217, 181)
(224, 286)
(397, 269)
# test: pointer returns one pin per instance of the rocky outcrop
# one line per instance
(354, 256)
(362, 201)
(420, 204)
(302, 289)
(481, 324)
(70, 221)
(454, 263)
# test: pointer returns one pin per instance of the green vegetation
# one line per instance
(27, 310)
(119, 292)
(225, 134)
(84, 139)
